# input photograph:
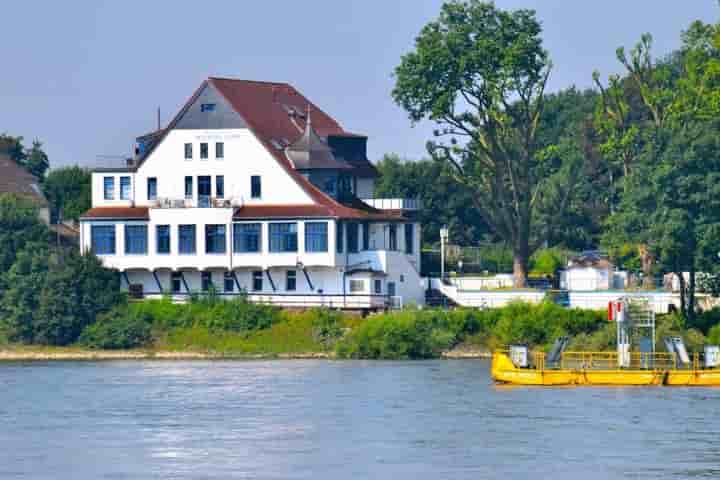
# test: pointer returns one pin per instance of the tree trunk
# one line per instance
(521, 255)
(646, 262)
(683, 299)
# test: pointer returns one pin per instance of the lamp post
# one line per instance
(444, 233)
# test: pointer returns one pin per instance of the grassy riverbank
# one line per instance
(211, 328)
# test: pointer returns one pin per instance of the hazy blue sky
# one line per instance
(86, 77)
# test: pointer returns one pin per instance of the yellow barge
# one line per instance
(600, 368)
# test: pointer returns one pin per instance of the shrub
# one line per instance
(119, 329)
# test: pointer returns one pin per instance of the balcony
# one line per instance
(202, 201)
(394, 203)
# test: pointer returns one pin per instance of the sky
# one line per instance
(87, 77)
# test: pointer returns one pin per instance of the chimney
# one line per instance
(274, 94)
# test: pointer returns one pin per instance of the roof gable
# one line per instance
(16, 180)
(209, 110)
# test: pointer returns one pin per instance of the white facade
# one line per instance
(167, 192)
(591, 279)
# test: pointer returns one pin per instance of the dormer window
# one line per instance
(207, 107)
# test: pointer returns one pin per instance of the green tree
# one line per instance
(669, 202)
(34, 159)
(480, 74)
(445, 202)
(69, 192)
(19, 228)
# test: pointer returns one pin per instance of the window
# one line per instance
(229, 282)
(291, 281)
(257, 283)
(176, 282)
(109, 188)
(329, 186)
(393, 237)
(246, 237)
(102, 239)
(136, 239)
(188, 151)
(352, 237)
(204, 191)
(186, 236)
(152, 188)
(220, 186)
(203, 151)
(205, 281)
(409, 238)
(339, 235)
(378, 286)
(366, 236)
(188, 187)
(124, 188)
(219, 150)
(357, 286)
(316, 237)
(255, 186)
(283, 237)
(215, 239)
(162, 237)
(207, 107)
(391, 289)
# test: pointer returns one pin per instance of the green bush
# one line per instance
(547, 262)
(119, 329)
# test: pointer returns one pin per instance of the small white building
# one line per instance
(252, 189)
(590, 272)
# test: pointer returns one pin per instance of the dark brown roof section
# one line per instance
(18, 181)
(117, 213)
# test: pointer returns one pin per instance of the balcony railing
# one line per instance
(202, 201)
(394, 203)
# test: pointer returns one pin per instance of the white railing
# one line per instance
(394, 203)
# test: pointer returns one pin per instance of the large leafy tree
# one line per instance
(670, 200)
(34, 159)
(480, 73)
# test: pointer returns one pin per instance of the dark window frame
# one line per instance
(353, 241)
(204, 151)
(316, 242)
(103, 233)
(111, 190)
(216, 239)
(152, 188)
(167, 234)
(188, 151)
(247, 237)
(188, 187)
(220, 186)
(255, 186)
(131, 231)
(182, 231)
(257, 280)
(219, 150)
(291, 281)
(125, 181)
(281, 240)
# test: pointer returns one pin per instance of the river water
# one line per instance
(340, 419)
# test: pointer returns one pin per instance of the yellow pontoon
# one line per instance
(646, 367)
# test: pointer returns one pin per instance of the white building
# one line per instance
(590, 272)
(252, 188)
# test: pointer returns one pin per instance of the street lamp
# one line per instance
(444, 234)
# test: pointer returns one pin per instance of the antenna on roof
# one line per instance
(309, 121)
(158, 118)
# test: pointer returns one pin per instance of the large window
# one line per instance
(357, 286)
(125, 188)
(393, 236)
(203, 151)
(291, 281)
(188, 187)
(220, 186)
(188, 151)
(102, 239)
(339, 236)
(247, 237)
(257, 281)
(283, 237)
(152, 188)
(109, 188)
(186, 239)
(204, 191)
(136, 239)
(409, 238)
(176, 280)
(316, 237)
(215, 239)
(219, 150)
(162, 238)
(255, 186)
(352, 237)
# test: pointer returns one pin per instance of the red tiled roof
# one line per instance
(117, 213)
(16, 180)
(282, 211)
